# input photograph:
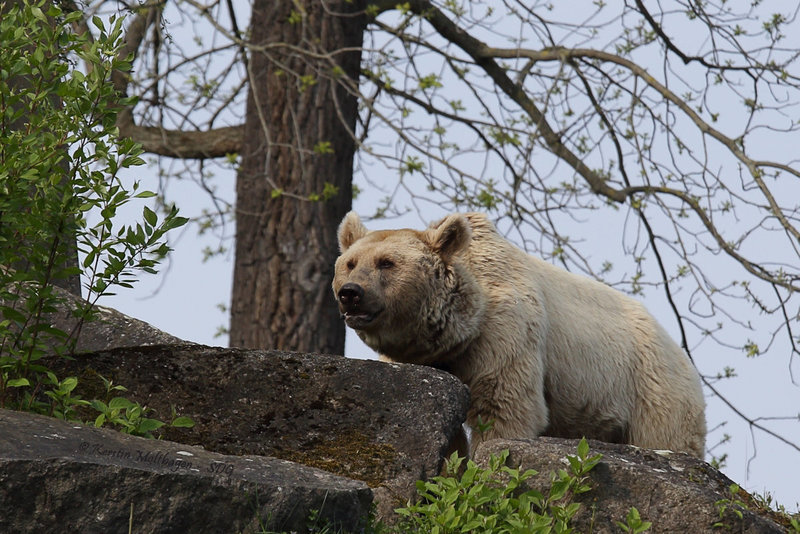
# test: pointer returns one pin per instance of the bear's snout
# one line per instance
(356, 311)
(350, 296)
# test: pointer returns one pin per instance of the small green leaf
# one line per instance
(68, 384)
(98, 23)
(149, 216)
(583, 448)
(132, 161)
(323, 147)
(148, 425)
(98, 405)
(37, 12)
(18, 382)
(183, 422)
(100, 420)
(119, 403)
(12, 314)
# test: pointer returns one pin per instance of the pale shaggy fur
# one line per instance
(543, 351)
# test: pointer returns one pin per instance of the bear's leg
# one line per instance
(669, 412)
(508, 403)
(656, 425)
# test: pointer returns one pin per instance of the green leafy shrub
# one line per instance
(493, 500)
(60, 159)
(633, 523)
(731, 505)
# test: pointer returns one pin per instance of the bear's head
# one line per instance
(408, 294)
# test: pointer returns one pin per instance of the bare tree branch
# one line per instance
(483, 57)
(215, 143)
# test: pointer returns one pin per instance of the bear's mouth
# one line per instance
(359, 320)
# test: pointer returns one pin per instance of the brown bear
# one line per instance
(543, 351)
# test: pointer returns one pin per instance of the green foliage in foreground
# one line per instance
(492, 500)
(60, 158)
(495, 501)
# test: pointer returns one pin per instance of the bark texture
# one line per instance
(298, 137)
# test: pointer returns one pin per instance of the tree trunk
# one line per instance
(298, 137)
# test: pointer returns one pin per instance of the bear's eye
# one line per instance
(351, 265)
(385, 263)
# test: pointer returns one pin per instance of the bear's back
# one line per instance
(595, 342)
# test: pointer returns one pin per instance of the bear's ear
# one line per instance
(350, 230)
(449, 236)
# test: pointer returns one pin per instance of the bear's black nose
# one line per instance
(350, 295)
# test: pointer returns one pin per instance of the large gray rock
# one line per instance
(61, 477)
(112, 329)
(385, 424)
(675, 492)
(106, 330)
